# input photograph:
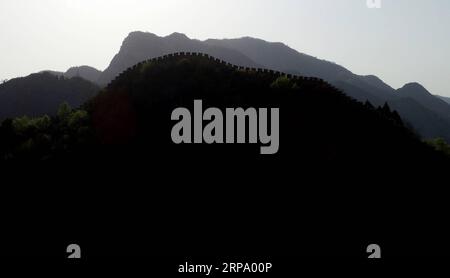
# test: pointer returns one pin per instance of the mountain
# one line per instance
(139, 46)
(283, 58)
(419, 114)
(257, 53)
(85, 72)
(426, 123)
(319, 123)
(42, 93)
(446, 99)
(425, 98)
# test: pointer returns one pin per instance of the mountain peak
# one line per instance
(138, 36)
(177, 35)
(413, 89)
(85, 72)
(414, 85)
(372, 77)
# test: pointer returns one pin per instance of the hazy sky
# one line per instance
(403, 41)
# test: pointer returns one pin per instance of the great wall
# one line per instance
(275, 73)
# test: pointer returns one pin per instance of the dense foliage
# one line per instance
(45, 138)
(440, 144)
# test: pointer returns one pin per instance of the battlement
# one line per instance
(177, 55)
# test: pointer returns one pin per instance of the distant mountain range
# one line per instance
(42, 93)
(428, 115)
(85, 72)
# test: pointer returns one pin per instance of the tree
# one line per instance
(64, 112)
(77, 119)
(386, 110)
(369, 105)
(42, 124)
(25, 126)
(396, 117)
(21, 125)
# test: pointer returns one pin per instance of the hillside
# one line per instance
(319, 122)
(422, 96)
(42, 93)
(252, 52)
(422, 117)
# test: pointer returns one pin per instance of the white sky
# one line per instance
(404, 41)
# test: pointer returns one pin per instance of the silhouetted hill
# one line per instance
(252, 52)
(42, 93)
(319, 123)
(425, 98)
(85, 72)
(429, 115)
(426, 123)
(376, 82)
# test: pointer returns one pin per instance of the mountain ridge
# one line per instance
(275, 56)
(257, 53)
(42, 93)
(140, 46)
(418, 92)
(86, 72)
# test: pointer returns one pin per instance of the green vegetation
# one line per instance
(440, 144)
(44, 137)
(284, 83)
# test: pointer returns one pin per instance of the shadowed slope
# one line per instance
(319, 122)
(42, 93)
